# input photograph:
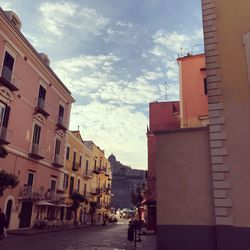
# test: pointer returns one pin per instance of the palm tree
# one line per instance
(92, 210)
(77, 198)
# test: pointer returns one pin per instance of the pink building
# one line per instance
(162, 116)
(34, 117)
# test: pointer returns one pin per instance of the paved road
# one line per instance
(111, 237)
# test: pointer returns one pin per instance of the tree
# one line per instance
(7, 181)
(92, 210)
(136, 196)
(77, 198)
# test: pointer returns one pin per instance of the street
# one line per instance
(110, 237)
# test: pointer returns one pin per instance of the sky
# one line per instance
(115, 56)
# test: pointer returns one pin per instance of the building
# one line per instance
(202, 189)
(193, 91)
(101, 183)
(34, 117)
(124, 182)
(157, 122)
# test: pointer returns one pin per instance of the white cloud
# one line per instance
(5, 5)
(117, 129)
(84, 74)
(56, 16)
(124, 24)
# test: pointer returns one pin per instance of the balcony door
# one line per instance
(7, 66)
(41, 97)
(36, 138)
(4, 118)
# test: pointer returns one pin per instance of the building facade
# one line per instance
(34, 117)
(202, 173)
(193, 91)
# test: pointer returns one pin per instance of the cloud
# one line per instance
(86, 73)
(124, 24)
(117, 129)
(58, 16)
(5, 5)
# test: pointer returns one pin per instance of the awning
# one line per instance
(44, 203)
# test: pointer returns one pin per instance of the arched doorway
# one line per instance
(8, 211)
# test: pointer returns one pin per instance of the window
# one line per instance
(205, 86)
(80, 161)
(30, 179)
(67, 152)
(60, 114)
(78, 185)
(36, 139)
(53, 185)
(65, 181)
(7, 66)
(71, 185)
(57, 150)
(87, 166)
(41, 97)
(4, 118)
(85, 190)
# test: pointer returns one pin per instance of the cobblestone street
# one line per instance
(90, 238)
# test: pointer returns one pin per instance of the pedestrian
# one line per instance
(3, 224)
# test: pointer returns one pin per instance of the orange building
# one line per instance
(193, 91)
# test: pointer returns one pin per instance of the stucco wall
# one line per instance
(184, 182)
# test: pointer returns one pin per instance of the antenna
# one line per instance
(166, 90)
(78, 128)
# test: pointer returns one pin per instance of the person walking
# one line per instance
(3, 224)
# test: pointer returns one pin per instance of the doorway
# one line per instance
(25, 215)
(8, 212)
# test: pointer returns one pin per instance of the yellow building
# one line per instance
(101, 182)
(75, 162)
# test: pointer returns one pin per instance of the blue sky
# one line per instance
(115, 56)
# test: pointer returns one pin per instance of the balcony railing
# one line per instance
(87, 175)
(9, 79)
(58, 161)
(60, 123)
(96, 191)
(41, 107)
(75, 166)
(27, 193)
(36, 151)
(97, 170)
(5, 135)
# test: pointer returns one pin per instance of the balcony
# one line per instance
(103, 170)
(87, 175)
(36, 152)
(5, 135)
(58, 162)
(60, 123)
(8, 79)
(96, 191)
(96, 170)
(75, 166)
(27, 193)
(41, 107)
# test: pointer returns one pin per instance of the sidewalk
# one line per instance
(34, 231)
(148, 242)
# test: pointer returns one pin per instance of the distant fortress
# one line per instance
(124, 181)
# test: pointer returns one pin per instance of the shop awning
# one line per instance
(44, 203)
